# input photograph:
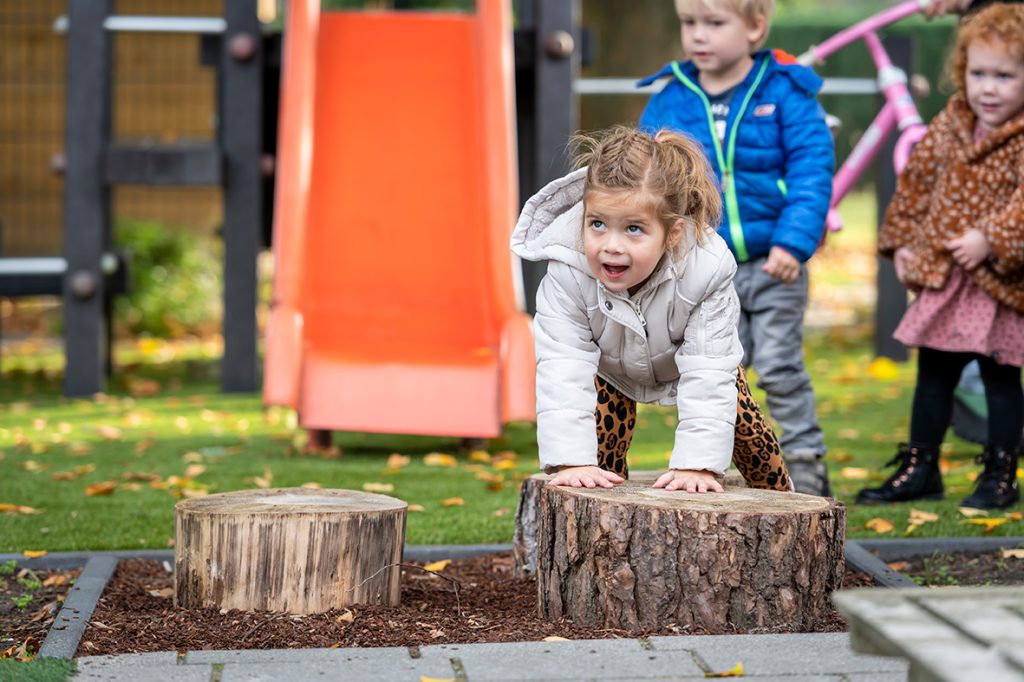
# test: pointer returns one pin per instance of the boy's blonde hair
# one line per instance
(748, 10)
(668, 169)
(999, 24)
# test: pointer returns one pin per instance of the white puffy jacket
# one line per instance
(673, 342)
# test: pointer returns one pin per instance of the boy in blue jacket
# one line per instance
(756, 114)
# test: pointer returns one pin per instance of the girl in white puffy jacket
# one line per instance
(638, 305)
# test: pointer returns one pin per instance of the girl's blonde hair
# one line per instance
(748, 10)
(999, 24)
(668, 169)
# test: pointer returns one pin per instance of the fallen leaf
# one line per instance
(416, 508)
(920, 516)
(191, 457)
(879, 525)
(379, 487)
(848, 434)
(971, 511)
(55, 580)
(480, 456)
(424, 678)
(194, 470)
(504, 465)
(452, 502)
(194, 492)
(854, 472)
(33, 466)
(12, 509)
(397, 461)
(101, 488)
(79, 449)
(899, 565)
(735, 671)
(438, 459)
(504, 511)
(1013, 553)
(109, 432)
(312, 485)
(346, 617)
(554, 638)
(165, 593)
(1014, 516)
(883, 369)
(437, 565)
(989, 524)
(33, 553)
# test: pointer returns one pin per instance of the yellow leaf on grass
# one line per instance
(879, 525)
(1013, 553)
(109, 432)
(11, 509)
(33, 553)
(505, 465)
(33, 466)
(416, 507)
(397, 461)
(735, 671)
(1014, 516)
(194, 470)
(848, 434)
(989, 524)
(480, 456)
(971, 512)
(424, 678)
(379, 487)
(438, 565)
(853, 472)
(101, 488)
(504, 511)
(883, 369)
(920, 516)
(453, 502)
(438, 459)
(312, 485)
(78, 449)
(554, 638)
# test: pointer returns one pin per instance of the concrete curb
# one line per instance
(862, 560)
(908, 548)
(69, 625)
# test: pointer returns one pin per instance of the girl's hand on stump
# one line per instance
(586, 477)
(970, 250)
(689, 480)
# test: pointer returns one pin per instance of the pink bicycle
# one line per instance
(898, 112)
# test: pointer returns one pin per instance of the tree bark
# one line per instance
(636, 558)
(524, 540)
(294, 550)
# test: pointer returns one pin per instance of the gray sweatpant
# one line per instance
(771, 331)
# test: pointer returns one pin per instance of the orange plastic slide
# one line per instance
(394, 305)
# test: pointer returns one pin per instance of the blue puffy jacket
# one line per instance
(776, 164)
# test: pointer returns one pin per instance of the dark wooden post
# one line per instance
(891, 296)
(86, 196)
(548, 109)
(241, 70)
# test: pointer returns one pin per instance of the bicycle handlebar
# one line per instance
(819, 53)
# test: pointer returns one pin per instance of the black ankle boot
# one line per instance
(917, 478)
(997, 485)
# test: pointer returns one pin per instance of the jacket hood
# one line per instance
(550, 225)
(782, 62)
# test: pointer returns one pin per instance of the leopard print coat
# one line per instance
(952, 184)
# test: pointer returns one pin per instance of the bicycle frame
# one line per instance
(898, 112)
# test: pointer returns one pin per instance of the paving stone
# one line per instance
(874, 677)
(335, 670)
(802, 654)
(160, 658)
(573, 660)
(382, 656)
(113, 671)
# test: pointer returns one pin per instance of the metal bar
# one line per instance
(241, 117)
(892, 296)
(192, 164)
(11, 267)
(627, 86)
(144, 24)
(86, 196)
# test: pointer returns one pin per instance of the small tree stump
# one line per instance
(524, 540)
(636, 558)
(288, 549)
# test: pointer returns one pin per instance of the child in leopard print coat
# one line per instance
(955, 230)
(638, 306)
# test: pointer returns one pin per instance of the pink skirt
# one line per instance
(962, 318)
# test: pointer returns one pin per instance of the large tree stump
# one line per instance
(637, 558)
(288, 549)
(524, 539)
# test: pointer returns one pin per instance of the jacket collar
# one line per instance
(964, 122)
(779, 61)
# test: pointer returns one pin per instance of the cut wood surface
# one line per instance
(635, 558)
(524, 539)
(294, 550)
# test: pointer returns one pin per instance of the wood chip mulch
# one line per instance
(136, 615)
(29, 601)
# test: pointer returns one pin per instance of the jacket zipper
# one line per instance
(727, 160)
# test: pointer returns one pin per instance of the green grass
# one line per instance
(185, 421)
(36, 670)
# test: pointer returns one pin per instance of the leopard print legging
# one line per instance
(756, 452)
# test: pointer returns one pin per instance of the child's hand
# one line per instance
(689, 480)
(938, 7)
(903, 257)
(782, 265)
(970, 250)
(585, 477)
